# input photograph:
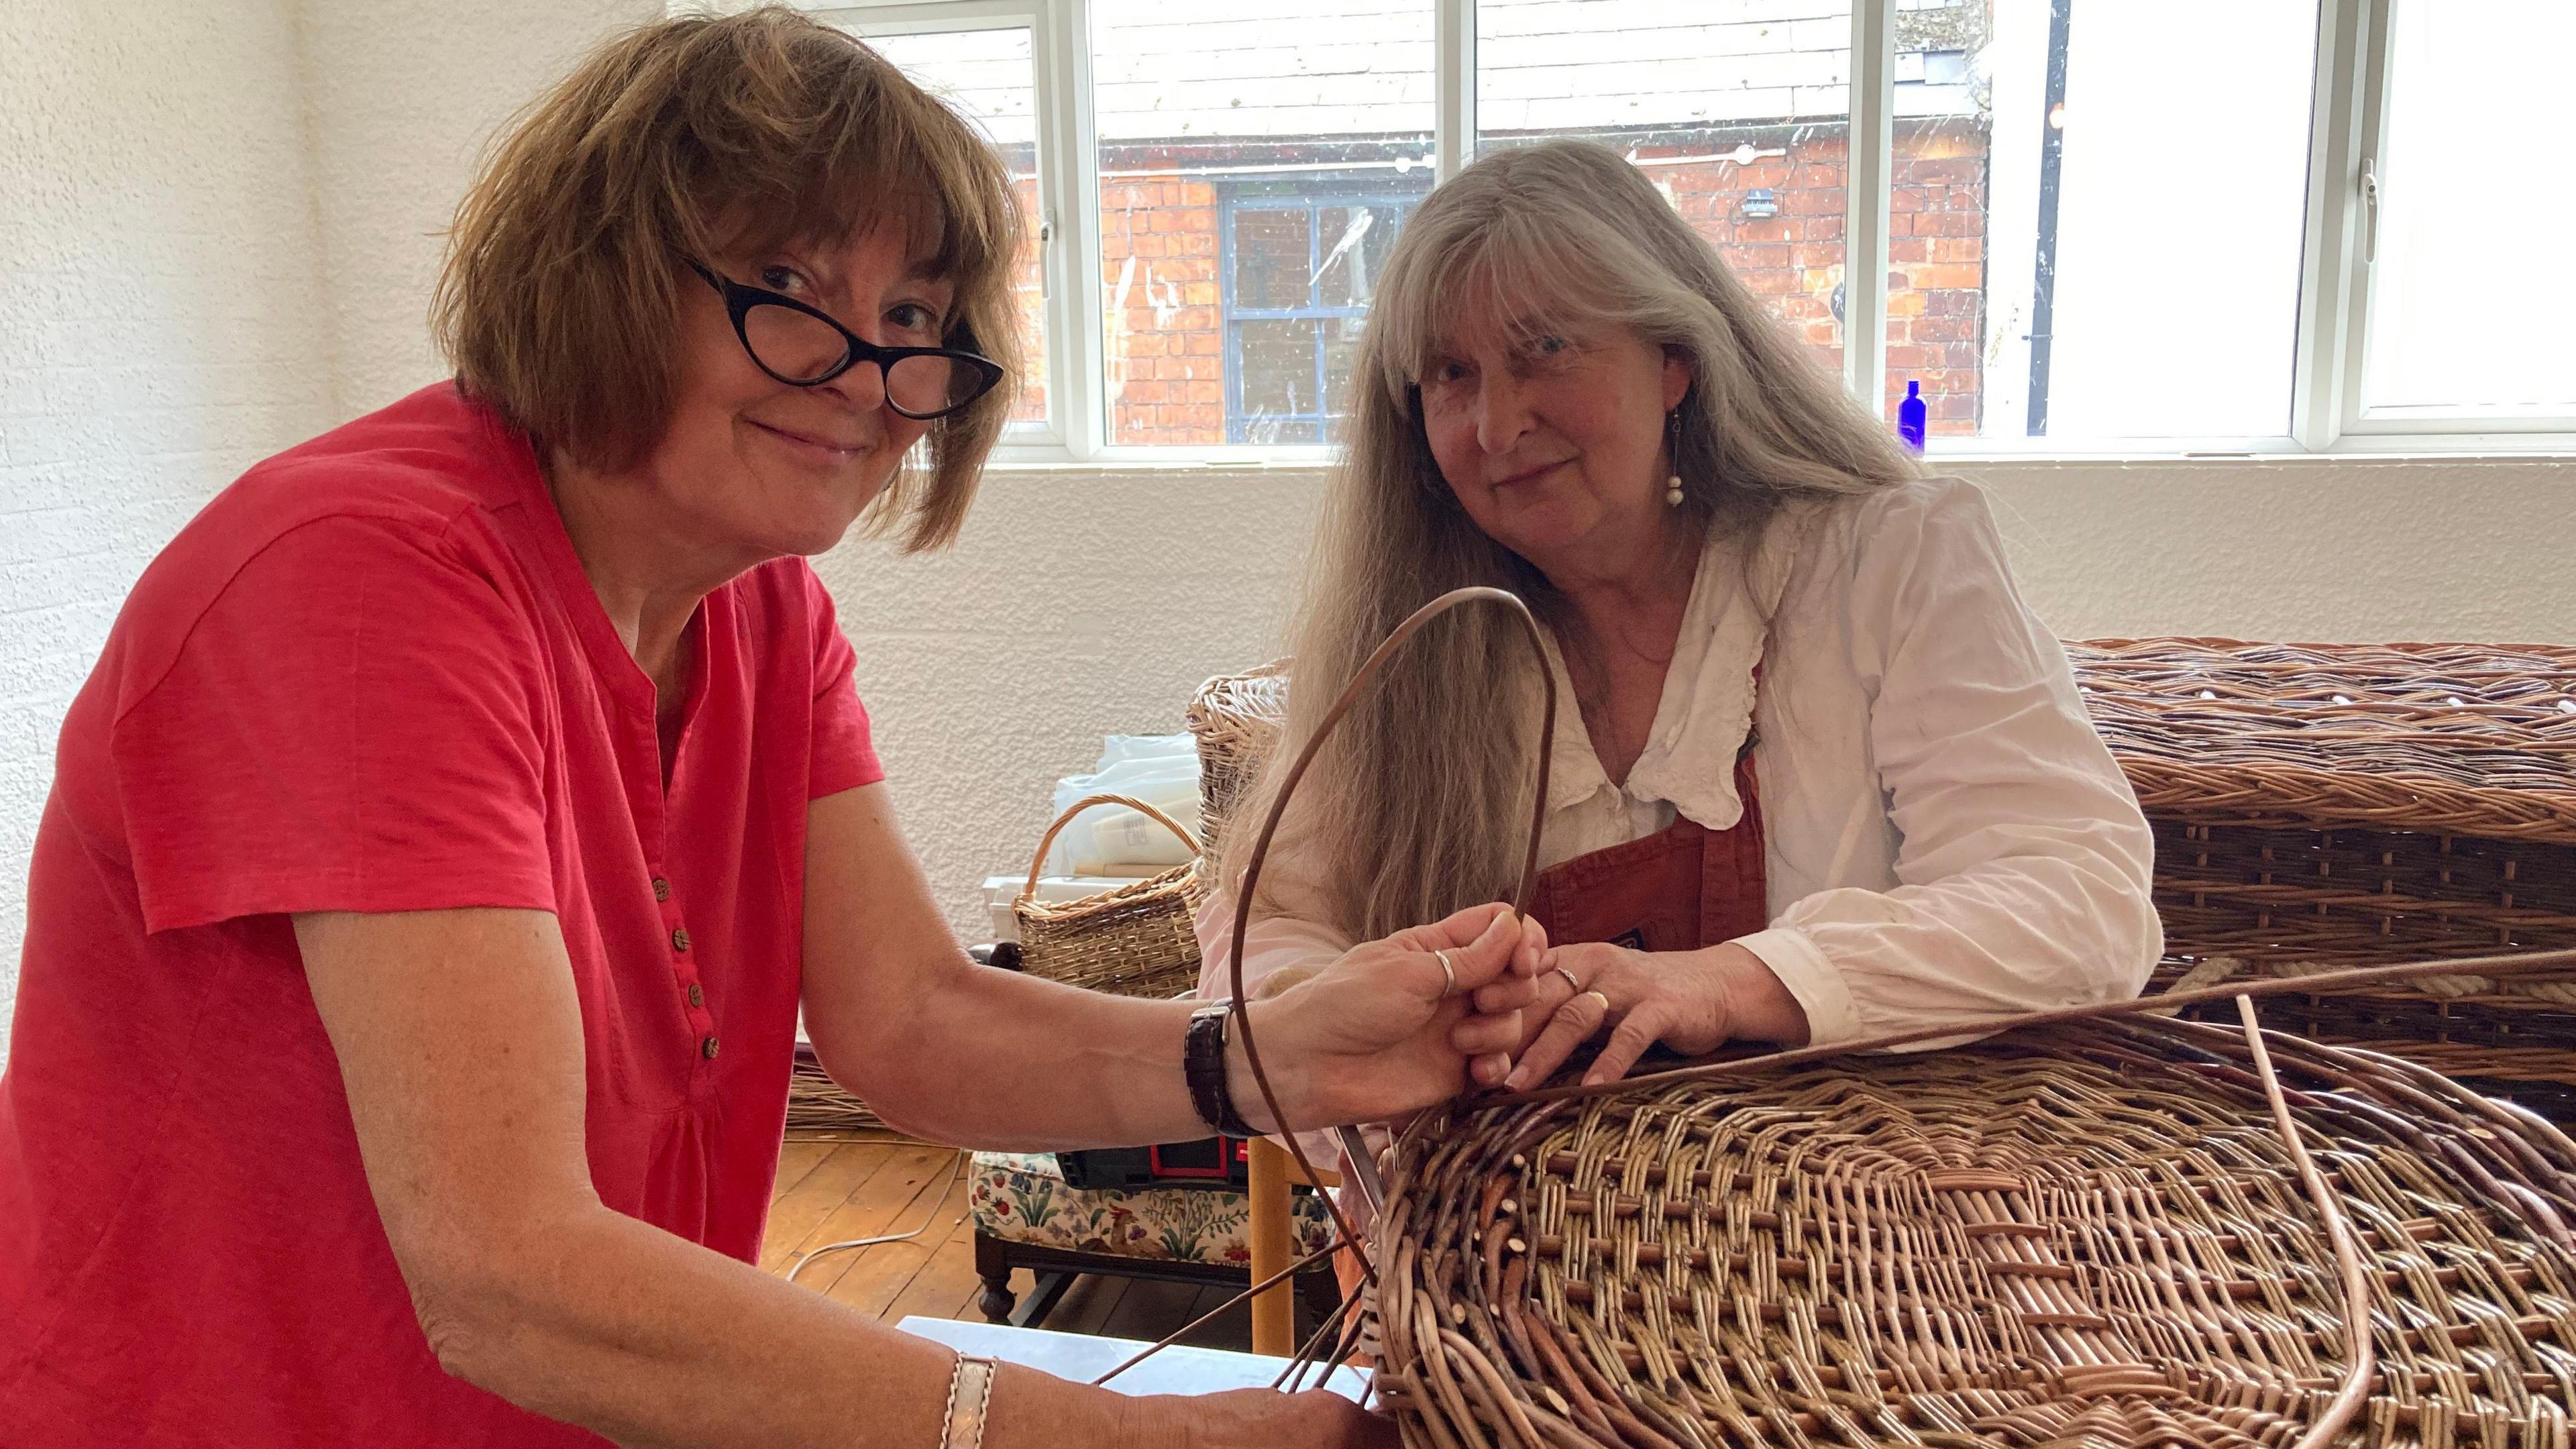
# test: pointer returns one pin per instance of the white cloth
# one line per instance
(1947, 839)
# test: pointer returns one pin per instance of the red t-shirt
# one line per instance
(372, 676)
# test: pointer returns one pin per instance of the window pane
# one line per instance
(2096, 219)
(1279, 399)
(987, 76)
(1352, 243)
(1271, 254)
(1240, 141)
(1739, 113)
(2468, 308)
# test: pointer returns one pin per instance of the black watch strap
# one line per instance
(1203, 1064)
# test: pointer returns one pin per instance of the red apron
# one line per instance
(1680, 889)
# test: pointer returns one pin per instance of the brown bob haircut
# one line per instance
(709, 137)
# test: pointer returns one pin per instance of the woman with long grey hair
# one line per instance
(1818, 772)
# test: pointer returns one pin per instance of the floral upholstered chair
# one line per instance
(1027, 1216)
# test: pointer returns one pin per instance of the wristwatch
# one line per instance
(1203, 1065)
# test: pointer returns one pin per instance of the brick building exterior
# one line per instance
(1162, 250)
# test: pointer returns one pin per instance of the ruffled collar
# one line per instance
(1703, 717)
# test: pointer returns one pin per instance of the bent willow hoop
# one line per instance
(2103, 1228)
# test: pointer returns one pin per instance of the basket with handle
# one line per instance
(1135, 940)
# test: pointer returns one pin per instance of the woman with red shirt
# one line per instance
(467, 801)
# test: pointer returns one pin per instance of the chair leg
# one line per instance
(993, 1265)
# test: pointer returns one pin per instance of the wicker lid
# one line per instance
(2086, 1236)
(2466, 739)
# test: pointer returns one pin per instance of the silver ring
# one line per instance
(1448, 975)
(1573, 988)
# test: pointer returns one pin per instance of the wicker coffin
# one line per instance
(2081, 1235)
(2323, 805)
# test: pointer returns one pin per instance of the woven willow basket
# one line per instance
(2320, 805)
(2078, 1235)
(1136, 940)
(1234, 718)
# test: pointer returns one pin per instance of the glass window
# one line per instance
(1227, 308)
(1739, 113)
(1299, 272)
(2096, 216)
(2469, 305)
(988, 77)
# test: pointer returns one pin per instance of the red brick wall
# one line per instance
(1158, 257)
(1936, 272)
(1936, 267)
(1028, 288)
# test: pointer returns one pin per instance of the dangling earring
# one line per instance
(1673, 450)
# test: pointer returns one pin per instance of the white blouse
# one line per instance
(1947, 839)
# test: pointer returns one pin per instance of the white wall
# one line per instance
(159, 329)
(402, 96)
(1079, 603)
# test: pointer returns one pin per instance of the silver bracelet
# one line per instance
(970, 1390)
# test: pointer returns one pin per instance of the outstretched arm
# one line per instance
(963, 1053)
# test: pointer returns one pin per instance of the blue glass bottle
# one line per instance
(1909, 415)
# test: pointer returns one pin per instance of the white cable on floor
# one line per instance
(959, 1171)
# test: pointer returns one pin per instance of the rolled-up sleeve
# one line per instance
(2024, 864)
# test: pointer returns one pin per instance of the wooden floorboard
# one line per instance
(830, 1191)
(877, 1206)
(1087, 1305)
(795, 1160)
(796, 1213)
(876, 1277)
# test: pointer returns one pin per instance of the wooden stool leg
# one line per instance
(1274, 1314)
(993, 1266)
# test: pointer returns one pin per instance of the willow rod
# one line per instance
(1365, 676)
(2517, 964)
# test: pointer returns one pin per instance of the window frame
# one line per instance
(2347, 132)
(1314, 201)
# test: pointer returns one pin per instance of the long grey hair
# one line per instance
(1418, 805)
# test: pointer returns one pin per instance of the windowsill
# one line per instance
(1259, 462)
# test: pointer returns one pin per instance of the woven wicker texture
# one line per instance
(1234, 718)
(816, 1103)
(1135, 940)
(2086, 1235)
(2458, 739)
(2348, 802)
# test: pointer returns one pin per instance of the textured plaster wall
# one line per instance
(1084, 602)
(402, 98)
(1075, 605)
(159, 330)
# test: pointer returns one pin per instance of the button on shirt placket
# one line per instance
(684, 972)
